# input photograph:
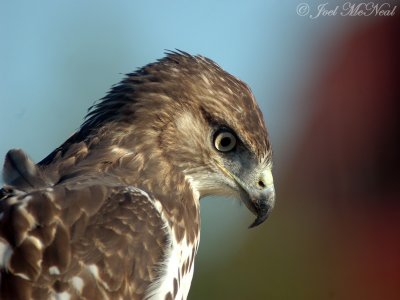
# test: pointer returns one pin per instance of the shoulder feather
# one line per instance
(19, 170)
(106, 240)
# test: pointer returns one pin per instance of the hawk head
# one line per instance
(204, 123)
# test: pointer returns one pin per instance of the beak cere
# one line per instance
(260, 199)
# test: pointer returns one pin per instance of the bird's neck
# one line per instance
(133, 157)
(138, 160)
(168, 184)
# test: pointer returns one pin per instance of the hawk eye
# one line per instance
(224, 141)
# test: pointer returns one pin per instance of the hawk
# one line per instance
(113, 213)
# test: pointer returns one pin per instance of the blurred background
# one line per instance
(329, 90)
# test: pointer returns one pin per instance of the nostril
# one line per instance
(261, 184)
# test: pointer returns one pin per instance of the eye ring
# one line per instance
(224, 141)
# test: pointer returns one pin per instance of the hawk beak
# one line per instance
(260, 200)
(258, 197)
(261, 205)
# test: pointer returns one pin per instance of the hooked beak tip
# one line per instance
(262, 215)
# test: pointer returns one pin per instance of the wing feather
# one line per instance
(86, 240)
(20, 170)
